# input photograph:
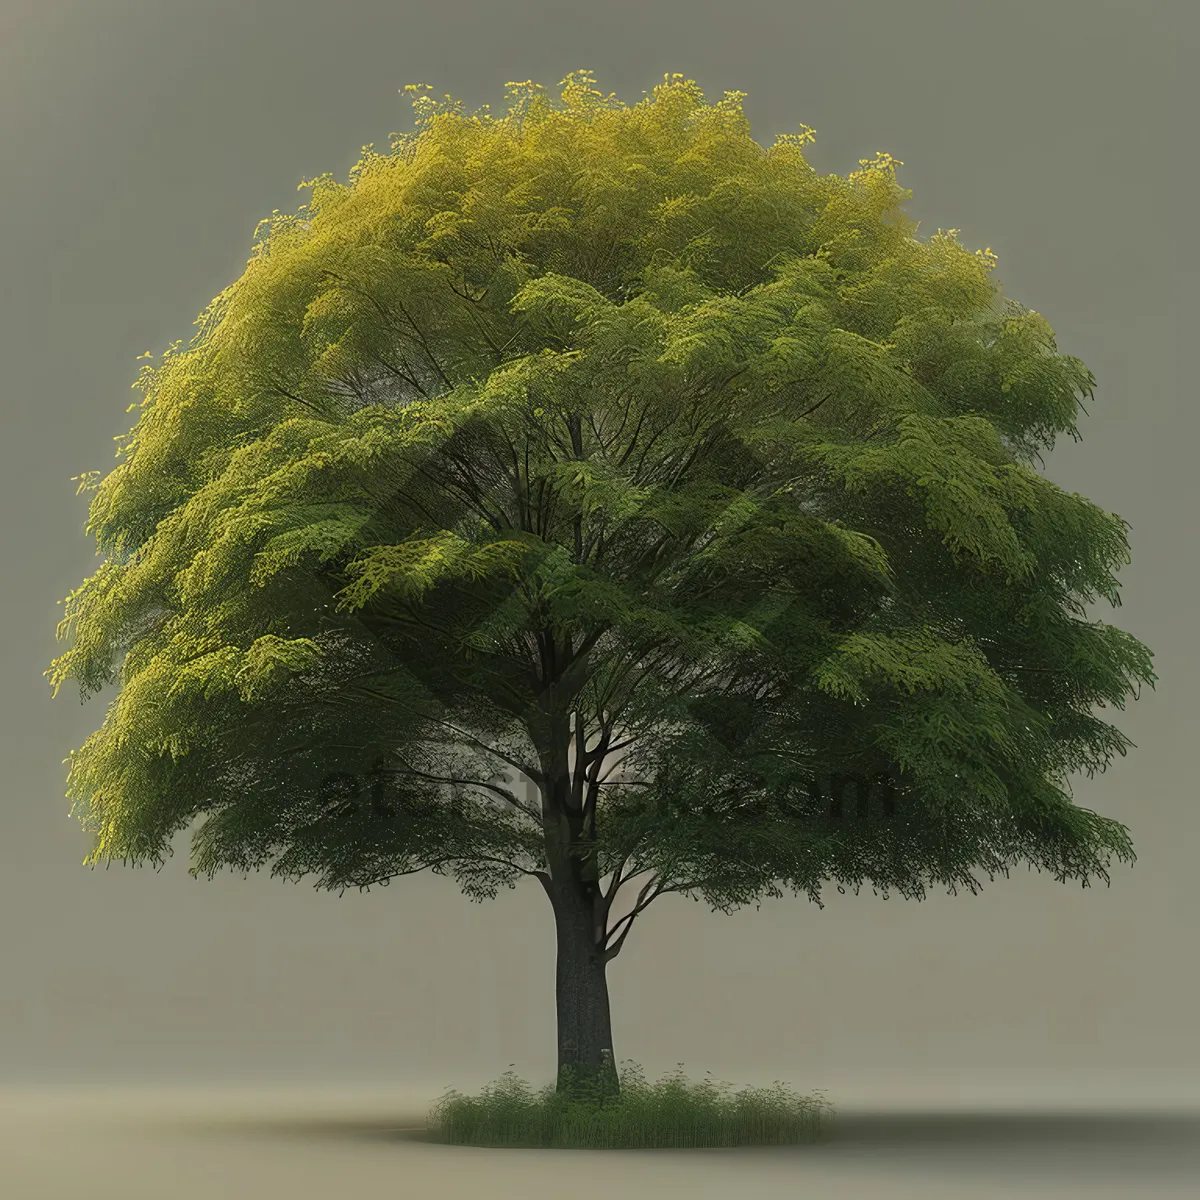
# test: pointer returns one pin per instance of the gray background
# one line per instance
(141, 142)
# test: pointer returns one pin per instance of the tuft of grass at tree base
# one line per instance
(672, 1114)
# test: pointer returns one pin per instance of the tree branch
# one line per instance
(617, 878)
(491, 787)
(590, 770)
(387, 316)
(531, 773)
(632, 661)
(408, 378)
(579, 775)
(425, 345)
(648, 894)
(502, 861)
(473, 498)
(541, 876)
(809, 411)
(314, 408)
(619, 746)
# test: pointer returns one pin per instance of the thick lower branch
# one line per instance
(650, 891)
(648, 894)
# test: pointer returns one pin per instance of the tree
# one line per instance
(599, 437)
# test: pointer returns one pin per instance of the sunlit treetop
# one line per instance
(599, 426)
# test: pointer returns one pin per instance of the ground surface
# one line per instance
(150, 1143)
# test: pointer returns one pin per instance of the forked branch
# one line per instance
(649, 892)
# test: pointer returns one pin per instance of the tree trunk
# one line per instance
(585, 1058)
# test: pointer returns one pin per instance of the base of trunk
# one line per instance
(586, 1069)
(589, 1081)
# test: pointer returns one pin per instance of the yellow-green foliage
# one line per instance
(606, 414)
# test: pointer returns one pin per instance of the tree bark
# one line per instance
(585, 1057)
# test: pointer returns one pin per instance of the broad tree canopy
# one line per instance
(597, 430)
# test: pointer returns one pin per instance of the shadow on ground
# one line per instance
(925, 1131)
